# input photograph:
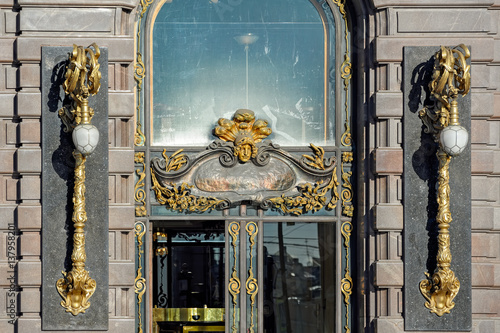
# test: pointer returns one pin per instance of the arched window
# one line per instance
(210, 58)
(244, 161)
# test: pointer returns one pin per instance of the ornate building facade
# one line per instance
(261, 167)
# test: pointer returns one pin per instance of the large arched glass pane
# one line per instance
(211, 58)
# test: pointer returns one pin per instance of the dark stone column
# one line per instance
(57, 192)
(420, 207)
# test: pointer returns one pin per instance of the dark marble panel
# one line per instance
(420, 227)
(57, 192)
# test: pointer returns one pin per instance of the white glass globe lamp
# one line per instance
(85, 138)
(454, 139)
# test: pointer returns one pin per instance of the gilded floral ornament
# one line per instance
(347, 207)
(83, 79)
(234, 285)
(312, 196)
(244, 132)
(140, 281)
(179, 198)
(139, 192)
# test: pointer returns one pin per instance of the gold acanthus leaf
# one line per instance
(244, 132)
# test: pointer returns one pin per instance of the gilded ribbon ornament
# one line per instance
(139, 74)
(451, 77)
(234, 285)
(251, 283)
(347, 208)
(140, 281)
(346, 74)
(179, 197)
(139, 192)
(346, 283)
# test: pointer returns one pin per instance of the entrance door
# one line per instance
(188, 277)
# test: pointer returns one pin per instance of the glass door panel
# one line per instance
(298, 265)
(188, 277)
(262, 277)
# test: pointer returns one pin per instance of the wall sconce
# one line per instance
(82, 80)
(451, 77)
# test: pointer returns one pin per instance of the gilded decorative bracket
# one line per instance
(244, 132)
(82, 80)
(451, 77)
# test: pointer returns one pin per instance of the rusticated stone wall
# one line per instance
(393, 25)
(26, 26)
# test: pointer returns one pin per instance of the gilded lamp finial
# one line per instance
(244, 132)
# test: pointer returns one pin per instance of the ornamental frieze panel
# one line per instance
(239, 167)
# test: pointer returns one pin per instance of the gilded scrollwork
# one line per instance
(139, 74)
(76, 287)
(441, 288)
(140, 281)
(347, 208)
(234, 285)
(179, 197)
(311, 199)
(346, 283)
(139, 192)
(175, 161)
(251, 283)
(346, 74)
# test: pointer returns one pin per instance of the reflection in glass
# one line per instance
(202, 71)
(189, 268)
(298, 273)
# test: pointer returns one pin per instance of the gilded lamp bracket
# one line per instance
(450, 78)
(82, 80)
